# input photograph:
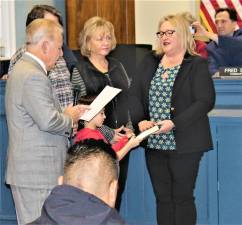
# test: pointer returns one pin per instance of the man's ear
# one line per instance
(60, 180)
(45, 47)
(113, 188)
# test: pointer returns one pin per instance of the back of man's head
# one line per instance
(41, 28)
(44, 39)
(39, 11)
(93, 167)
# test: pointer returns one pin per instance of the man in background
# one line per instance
(225, 48)
(38, 128)
(88, 188)
(59, 75)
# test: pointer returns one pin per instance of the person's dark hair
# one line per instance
(86, 100)
(232, 13)
(83, 150)
(38, 12)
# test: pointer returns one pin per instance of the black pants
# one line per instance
(173, 177)
(124, 163)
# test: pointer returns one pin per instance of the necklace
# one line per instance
(100, 65)
(164, 75)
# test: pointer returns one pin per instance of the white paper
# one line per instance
(106, 95)
(148, 132)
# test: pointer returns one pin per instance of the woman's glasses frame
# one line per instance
(168, 33)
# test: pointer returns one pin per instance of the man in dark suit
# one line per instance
(87, 191)
(38, 129)
(224, 50)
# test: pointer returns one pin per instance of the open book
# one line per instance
(106, 95)
(148, 132)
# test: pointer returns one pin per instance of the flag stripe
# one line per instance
(205, 22)
(234, 5)
(221, 4)
(231, 5)
(208, 18)
(215, 4)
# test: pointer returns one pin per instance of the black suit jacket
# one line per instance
(193, 96)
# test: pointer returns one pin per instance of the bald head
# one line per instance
(93, 167)
(44, 40)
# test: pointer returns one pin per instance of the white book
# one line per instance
(106, 95)
(148, 132)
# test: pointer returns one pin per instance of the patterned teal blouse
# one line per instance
(159, 106)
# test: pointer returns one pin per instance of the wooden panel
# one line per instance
(119, 12)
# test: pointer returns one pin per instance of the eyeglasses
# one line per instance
(168, 33)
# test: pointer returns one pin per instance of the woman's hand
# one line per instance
(165, 126)
(145, 124)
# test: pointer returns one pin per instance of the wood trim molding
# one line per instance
(120, 12)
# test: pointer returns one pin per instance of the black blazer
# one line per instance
(193, 96)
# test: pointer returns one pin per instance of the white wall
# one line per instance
(149, 12)
(23, 7)
(7, 28)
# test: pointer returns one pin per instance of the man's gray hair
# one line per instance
(40, 29)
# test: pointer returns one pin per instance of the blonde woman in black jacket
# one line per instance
(173, 88)
(96, 70)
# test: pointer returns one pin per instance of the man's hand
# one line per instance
(201, 31)
(75, 112)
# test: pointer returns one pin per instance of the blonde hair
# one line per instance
(181, 27)
(188, 16)
(39, 29)
(91, 26)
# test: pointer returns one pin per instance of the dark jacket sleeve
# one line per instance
(194, 101)
(213, 58)
(231, 45)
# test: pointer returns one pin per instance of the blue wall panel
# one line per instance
(229, 173)
(138, 205)
(7, 211)
(219, 168)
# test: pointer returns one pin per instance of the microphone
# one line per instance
(76, 92)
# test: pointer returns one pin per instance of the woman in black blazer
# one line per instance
(173, 89)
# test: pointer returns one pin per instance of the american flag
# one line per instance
(208, 8)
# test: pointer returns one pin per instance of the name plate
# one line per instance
(230, 72)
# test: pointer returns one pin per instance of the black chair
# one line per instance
(130, 55)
